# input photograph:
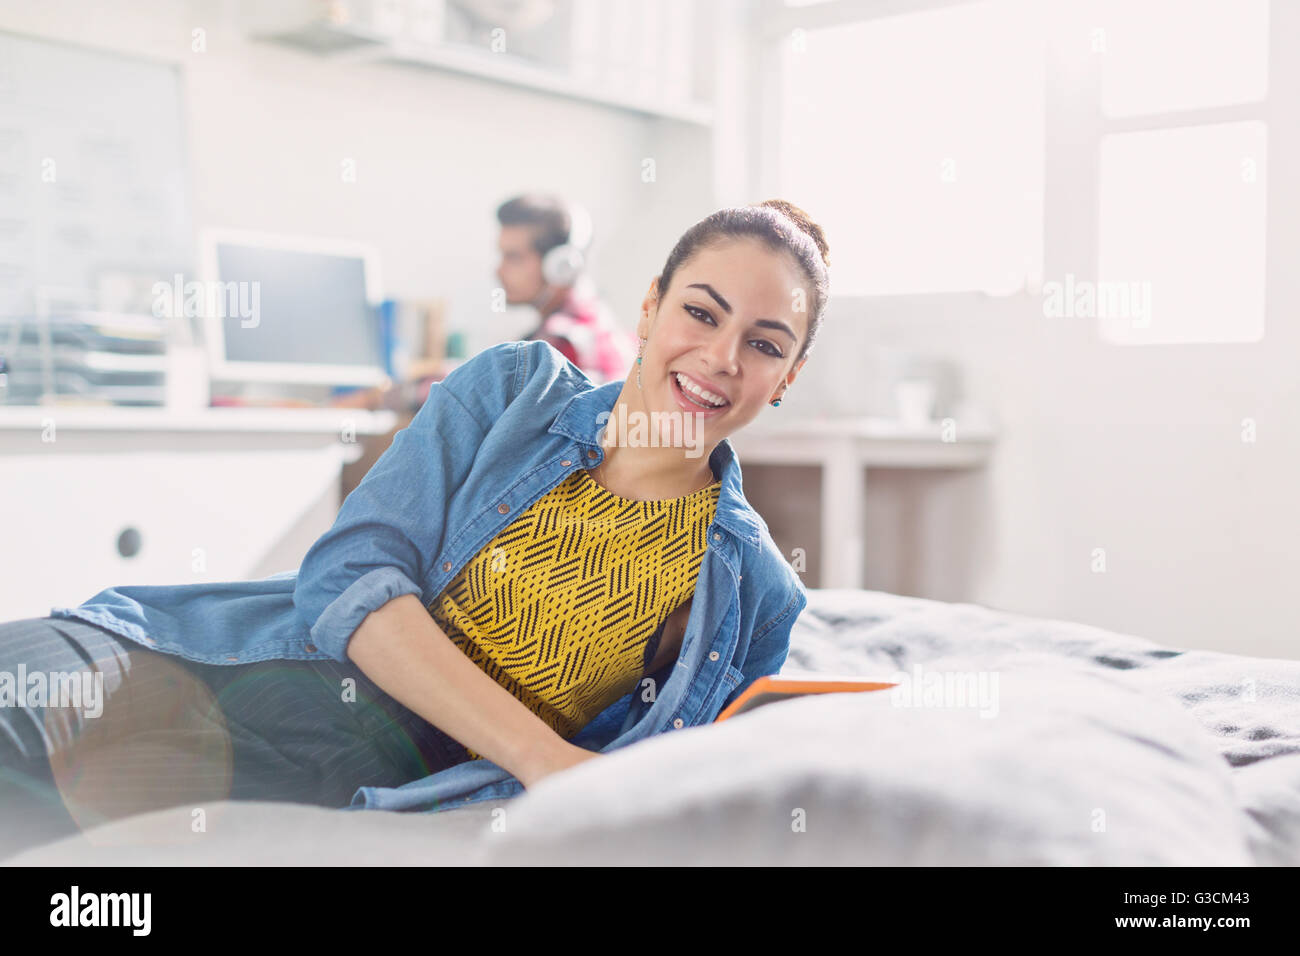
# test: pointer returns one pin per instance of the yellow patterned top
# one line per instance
(559, 608)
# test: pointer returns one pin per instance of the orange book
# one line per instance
(769, 690)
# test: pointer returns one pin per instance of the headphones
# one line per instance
(563, 264)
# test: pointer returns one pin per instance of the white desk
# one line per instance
(97, 497)
(844, 448)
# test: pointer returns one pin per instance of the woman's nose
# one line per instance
(721, 354)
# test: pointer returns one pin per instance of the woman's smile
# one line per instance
(696, 396)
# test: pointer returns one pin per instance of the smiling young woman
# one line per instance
(506, 593)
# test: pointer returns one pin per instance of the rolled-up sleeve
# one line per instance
(393, 522)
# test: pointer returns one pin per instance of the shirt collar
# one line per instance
(580, 420)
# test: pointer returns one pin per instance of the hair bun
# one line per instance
(804, 222)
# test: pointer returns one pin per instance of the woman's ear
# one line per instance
(794, 372)
(649, 306)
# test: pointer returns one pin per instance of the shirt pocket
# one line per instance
(733, 678)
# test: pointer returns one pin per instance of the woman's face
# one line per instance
(732, 321)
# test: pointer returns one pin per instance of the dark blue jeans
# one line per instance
(172, 732)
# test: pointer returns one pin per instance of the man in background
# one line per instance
(544, 244)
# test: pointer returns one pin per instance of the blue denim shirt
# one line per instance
(495, 435)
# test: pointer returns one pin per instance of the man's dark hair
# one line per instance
(546, 215)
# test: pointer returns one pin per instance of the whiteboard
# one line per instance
(93, 175)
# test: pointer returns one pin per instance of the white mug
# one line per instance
(915, 402)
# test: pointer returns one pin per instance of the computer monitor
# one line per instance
(291, 309)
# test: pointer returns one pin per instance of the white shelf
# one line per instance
(315, 421)
(972, 430)
(353, 44)
(843, 449)
(471, 62)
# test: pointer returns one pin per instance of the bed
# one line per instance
(1094, 748)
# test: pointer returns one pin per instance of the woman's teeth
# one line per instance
(709, 400)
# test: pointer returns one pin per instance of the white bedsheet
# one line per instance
(1106, 749)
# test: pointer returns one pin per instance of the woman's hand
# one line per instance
(564, 756)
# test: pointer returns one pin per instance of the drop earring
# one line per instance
(639, 349)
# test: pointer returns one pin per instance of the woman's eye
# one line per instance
(767, 348)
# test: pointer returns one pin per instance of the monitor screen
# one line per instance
(297, 307)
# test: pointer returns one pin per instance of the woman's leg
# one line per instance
(90, 729)
(172, 732)
(315, 731)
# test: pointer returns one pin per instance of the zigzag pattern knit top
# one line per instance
(560, 607)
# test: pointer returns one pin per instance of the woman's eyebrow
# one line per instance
(726, 307)
(779, 326)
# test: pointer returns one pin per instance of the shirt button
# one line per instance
(446, 565)
(716, 536)
(566, 463)
(311, 648)
(503, 507)
(678, 723)
(591, 453)
(713, 655)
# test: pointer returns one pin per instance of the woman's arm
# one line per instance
(392, 526)
(402, 649)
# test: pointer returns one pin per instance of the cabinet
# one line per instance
(92, 498)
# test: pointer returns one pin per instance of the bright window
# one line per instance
(1182, 179)
(917, 141)
(1167, 55)
(1181, 235)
